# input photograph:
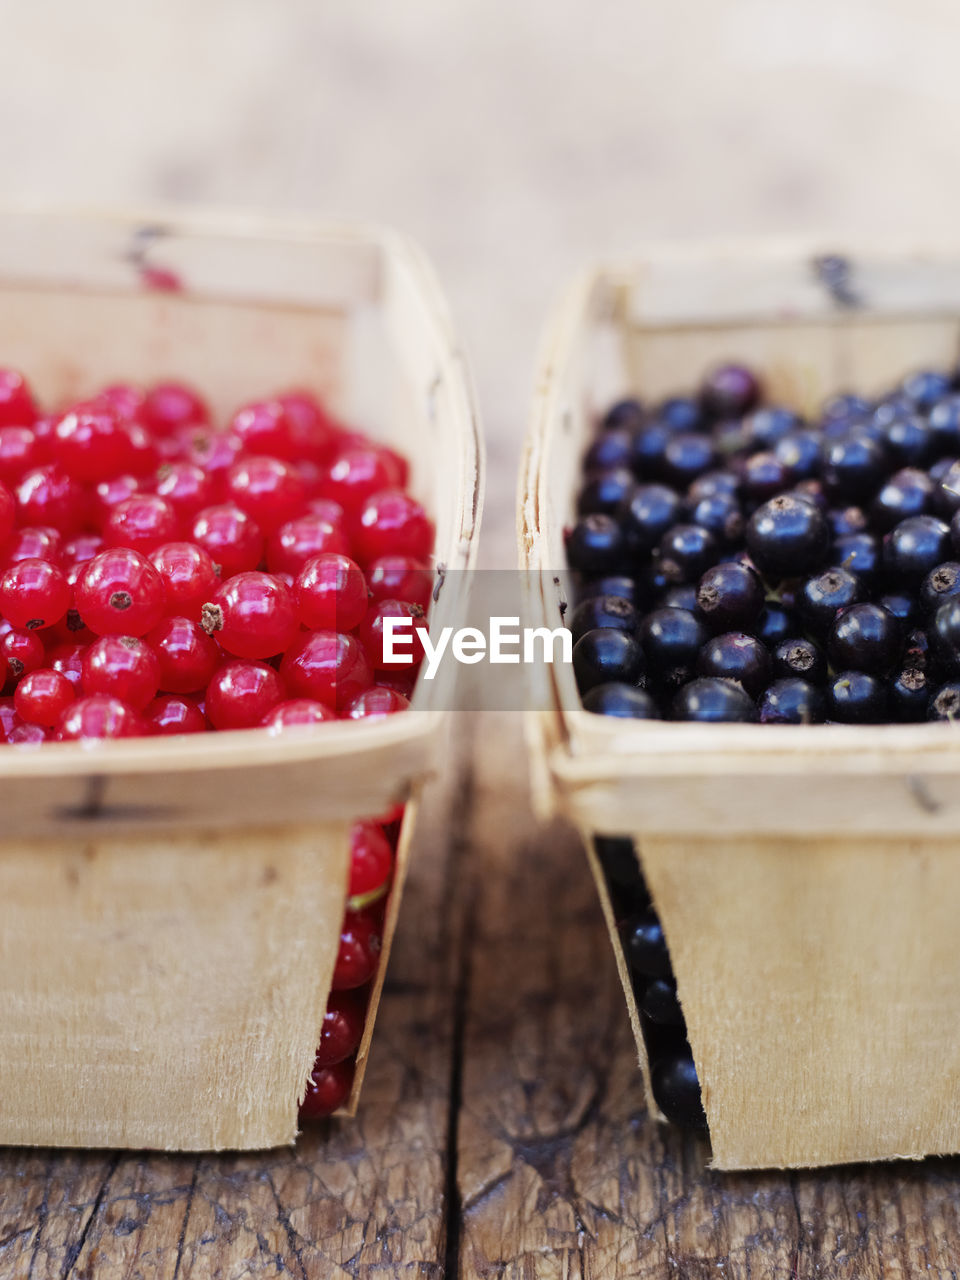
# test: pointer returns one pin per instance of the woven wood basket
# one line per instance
(170, 909)
(807, 880)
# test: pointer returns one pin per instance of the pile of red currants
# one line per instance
(163, 574)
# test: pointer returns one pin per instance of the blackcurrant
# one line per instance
(792, 701)
(677, 1091)
(596, 545)
(854, 468)
(854, 697)
(787, 537)
(799, 657)
(713, 701)
(606, 492)
(864, 637)
(645, 946)
(821, 596)
(660, 1004)
(730, 598)
(686, 552)
(672, 640)
(652, 510)
(739, 657)
(627, 413)
(910, 695)
(940, 584)
(603, 611)
(729, 391)
(624, 701)
(916, 546)
(945, 703)
(775, 623)
(604, 656)
(944, 633)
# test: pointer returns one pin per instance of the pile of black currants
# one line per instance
(672, 1071)
(736, 562)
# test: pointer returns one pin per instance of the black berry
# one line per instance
(787, 537)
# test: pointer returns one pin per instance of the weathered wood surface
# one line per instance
(502, 1131)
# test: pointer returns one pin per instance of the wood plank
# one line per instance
(560, 1170)
(355, 1198)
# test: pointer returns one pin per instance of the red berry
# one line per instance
(187, 657)
(268, 489)
(81, 548)
(371, 859)
(119, 592)
(108, 494)
(378, 701)
(173, 713)
(143, 522)
(8, 512)
(393, 523)
(186, 487)
(400, 578)
(342, 1027)
(99, 716)
(144, 453)
(356, 474)
(214, 453)
(189, 576)
(124, 400)
(42, 696)
(20, 653)
(91, 445)
(299, 540)
(124, 667)
(296, 712)
(398, 466)
(313, 432)
(327, 666)
(16, 401)
(331, 593)
(34, 594)
(406, 642)
(171, 406)
(359, 952)
(19, 453)
(241, 694)
(33, 544)
(8, 717)
(21, 732)
(232, 539)
(327, 1091)
(252, 616)
(48, 496)
(264, 428)
(402, 682)
(67, 658)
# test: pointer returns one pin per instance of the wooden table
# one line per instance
(502, 1131)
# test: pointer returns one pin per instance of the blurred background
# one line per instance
(514, 140)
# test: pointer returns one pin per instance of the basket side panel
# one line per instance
(818, 983)
(180, 1006)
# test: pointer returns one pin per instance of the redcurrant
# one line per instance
(356, 474)
(186, 655)
(171, 406)
(265, 428)
(327, 666)
(231, 538)
(371, 859)
(299, 540)
(16, 400)
(22, 652)
(48, 496)
(33, 544)
(331, 593)
(296, 712)
(393, 523)
(143, 522)
(406, 643)
(124, 667)
(240, 694)
(8, 512)
(67, 658)
(268, 489)
(375, 702)
(342, 1027)
(359, 951)
(42, 696)
(189, 576)
(313, 433)
(252, 616)
(19, 453)
(92, 445)
(34, 594)
(119, 592)
(99, 716)
(174, 713)
(400, 578)
(186, 487)
(327, 1091)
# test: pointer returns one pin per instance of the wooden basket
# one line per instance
(170, 909)
(807, 880)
